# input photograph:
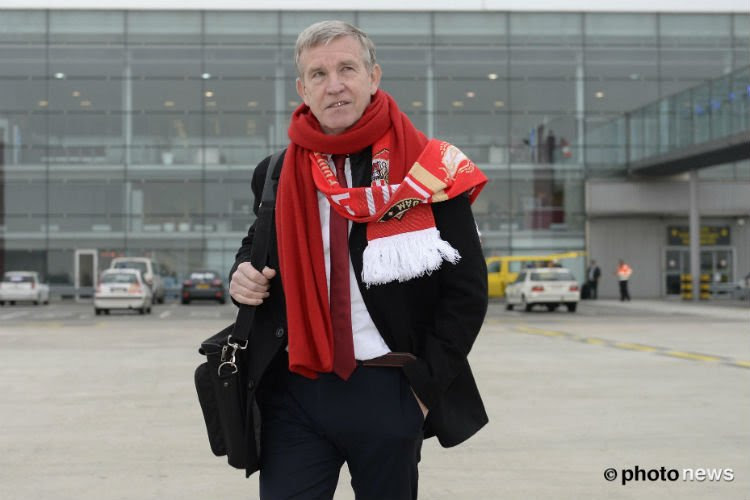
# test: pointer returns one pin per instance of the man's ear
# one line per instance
(301, 90)
(375, 76)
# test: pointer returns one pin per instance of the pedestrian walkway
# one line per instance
(725, 309)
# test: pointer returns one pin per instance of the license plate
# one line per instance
(203, 286)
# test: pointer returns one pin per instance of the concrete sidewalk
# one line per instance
(726, 309)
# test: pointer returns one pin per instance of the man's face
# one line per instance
(336, 84)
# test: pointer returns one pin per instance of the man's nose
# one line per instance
(335, 85)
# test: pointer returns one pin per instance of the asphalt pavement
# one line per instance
(652, 394)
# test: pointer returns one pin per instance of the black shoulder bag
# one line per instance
(221, 379)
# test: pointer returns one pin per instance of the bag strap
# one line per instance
(261, 240)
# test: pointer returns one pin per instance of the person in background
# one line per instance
(593, 273)
(623, 273)
(375, 291)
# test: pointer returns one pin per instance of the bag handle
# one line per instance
(260, 249)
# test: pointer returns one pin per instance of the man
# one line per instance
(623, 275)
(360, 347)
(593, 273)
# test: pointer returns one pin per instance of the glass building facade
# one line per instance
(136, 133)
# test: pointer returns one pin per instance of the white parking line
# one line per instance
(165, 314)
(16, 314)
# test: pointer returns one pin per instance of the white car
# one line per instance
(20, 286)
(122, 289)
(150, 271)
(549, 286)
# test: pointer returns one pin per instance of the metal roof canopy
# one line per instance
(707, 154)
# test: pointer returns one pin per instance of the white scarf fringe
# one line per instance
(405, 256)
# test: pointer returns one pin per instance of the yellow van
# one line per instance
(503, 270)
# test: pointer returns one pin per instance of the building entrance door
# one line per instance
(85, 268)
(677, 262)
(717, 262)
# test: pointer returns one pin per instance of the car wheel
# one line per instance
(12, 302)
(571, 306)
(161, 300)
(222, 301)
(2, 302)
(106, 311)
(526, 306)
(551, 307)
(142, 311)
(148, 311)
(97, 312)
(508, 307)
(185, 302)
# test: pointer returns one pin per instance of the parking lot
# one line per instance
(103, 407)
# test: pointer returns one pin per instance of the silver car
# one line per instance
(548, 286)
(122, 289)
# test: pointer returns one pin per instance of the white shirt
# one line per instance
(368, 343)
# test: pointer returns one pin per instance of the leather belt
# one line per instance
(391, 360)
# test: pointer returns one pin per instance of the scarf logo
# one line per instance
(380, 167)
(398, 210)
(454, 162)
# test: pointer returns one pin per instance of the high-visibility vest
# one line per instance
(624, 272)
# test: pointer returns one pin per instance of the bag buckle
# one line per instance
(228, 358)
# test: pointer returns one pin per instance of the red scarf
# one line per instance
(300, 244)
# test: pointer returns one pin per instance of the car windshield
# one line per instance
(551, 276)
(141, 266)
(119, 278)
(18, 278)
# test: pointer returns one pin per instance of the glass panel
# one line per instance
(23, 26)
(724, 272)
(260, 28)
(86, 26)
(695, 29)
(24, 102)
(228, 200)
(620, 79)
(543, 95)
(463, 28)
(148, 27)
(620, 29)
(293, 22)
(707, 262)
(395, 28)
(545, 29)
(471, 106)
(741, 40)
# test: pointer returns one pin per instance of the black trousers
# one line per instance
(624, 295)
(592, 288)
(311, 427)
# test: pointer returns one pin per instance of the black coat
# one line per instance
(436, 317)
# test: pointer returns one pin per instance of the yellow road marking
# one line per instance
(635, 347)
(593, 340)
(690, 355)
(538, 331)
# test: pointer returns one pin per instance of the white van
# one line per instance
(149, 270)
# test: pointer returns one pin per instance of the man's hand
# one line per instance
(249, 286)
(422, 407)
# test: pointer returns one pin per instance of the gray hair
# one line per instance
(324, 32)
